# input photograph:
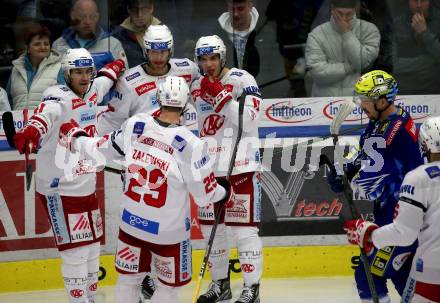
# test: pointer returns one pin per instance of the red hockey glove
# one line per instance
(359, 233)
(69, 131)
(29, 137)
(113, 70)
(214, 93)
(229, 198)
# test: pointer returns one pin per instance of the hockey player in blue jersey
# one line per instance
(388, 150)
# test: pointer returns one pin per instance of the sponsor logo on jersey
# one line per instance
(289, 112)
(80, 229)
(52, 98)
(165, 268)
(238, 74)
(393, 132)
(247, 268)
(142, 156)
(179, 143)
(157, 144)
(419, 265)
(146, 225)
(399, 260)
(253, 90)
(78, 102)
(55, 182)
(65, 88)
(433, 171)
(87, 116)
(229, 87)
(205, 213)
(332, 109)
(204, 107)
(182, 63)
(409, 189)
(185, 260)
(117, 95)
(153, 100)
(187, 78)
(132, 76)
(211, 125)
(202, 162)
(97, 222)
(56, 216)
(93, 99)
(127, 257)
(76, 293)
(195, 93)
(138, 128)
(145, 88)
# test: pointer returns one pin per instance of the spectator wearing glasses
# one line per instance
(131, 31)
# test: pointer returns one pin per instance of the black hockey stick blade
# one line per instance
(28, 167)
(8, 126)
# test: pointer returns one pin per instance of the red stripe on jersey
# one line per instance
(411, 129)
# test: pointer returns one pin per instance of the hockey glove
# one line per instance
(69, 131)
(113, 70)
(229, 198)
(335, 181)
(359, 233)
(29, 137)
(214, 93)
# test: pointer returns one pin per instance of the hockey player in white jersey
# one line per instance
(136, 90)
(67, 192)
(165, 162)
(417, 215)
(216, 98)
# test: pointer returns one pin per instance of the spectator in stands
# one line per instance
(411, 48)
(35, 70)
(238, 31)
(4, 102)
(293, 23)
(339, 50)
(86, 33)
(131, 32)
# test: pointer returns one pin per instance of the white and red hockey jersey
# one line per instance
(56, 170)
(164, 163)
(136, 90)
(417, 215)
(220, 129)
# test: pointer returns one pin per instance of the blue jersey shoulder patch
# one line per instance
(433, 171)
(138, 128)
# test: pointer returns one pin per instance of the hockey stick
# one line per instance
(241, 102)
(344, 110)
(8, 125)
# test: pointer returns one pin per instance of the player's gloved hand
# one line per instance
(113, 70)
(335, 181)
(29, 137)
(68, 132)
(359, 233)
(214, 93)
(229, 198)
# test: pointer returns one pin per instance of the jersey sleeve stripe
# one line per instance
(413, 202)
(115, 145)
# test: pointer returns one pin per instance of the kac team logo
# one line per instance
(289, 112)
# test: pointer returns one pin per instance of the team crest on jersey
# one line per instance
(132, 76)
(93, 100)
(240, 211)
(145, 88)
(80, 229)
(179, 143)
(127, 257)
(138, 128)
(165, 268)
(211, 125)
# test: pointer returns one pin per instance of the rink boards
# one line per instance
(279, 262)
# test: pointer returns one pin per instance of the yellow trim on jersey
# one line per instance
(278, 262)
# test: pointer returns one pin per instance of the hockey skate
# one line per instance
(218, 291)
(148, 288)
(250, 294)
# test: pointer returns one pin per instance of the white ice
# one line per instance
(319, 290)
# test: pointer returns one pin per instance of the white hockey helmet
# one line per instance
(429, 135)
(208, 45)
(174, 92)
(77, 58)
(159, 37)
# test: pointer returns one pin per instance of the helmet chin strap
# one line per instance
(380, 111)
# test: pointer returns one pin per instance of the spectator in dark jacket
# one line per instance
(238, 31)
(131, 31)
